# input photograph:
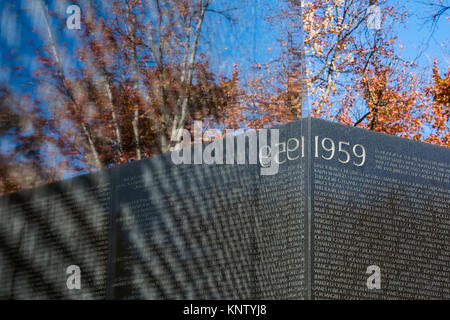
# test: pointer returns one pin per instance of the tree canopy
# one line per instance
(116, 90)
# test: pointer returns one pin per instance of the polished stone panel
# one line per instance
(343, 200)
(392, 211)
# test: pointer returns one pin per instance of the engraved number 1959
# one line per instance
(343, 151)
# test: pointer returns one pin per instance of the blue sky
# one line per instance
(246, 42)
(416, 39)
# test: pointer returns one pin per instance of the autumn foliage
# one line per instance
(439, 90)
(139, 70)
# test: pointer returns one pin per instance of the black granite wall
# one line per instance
(344, 199)
(154, 230)
(393, 211)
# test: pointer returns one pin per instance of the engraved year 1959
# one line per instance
(328, 149)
